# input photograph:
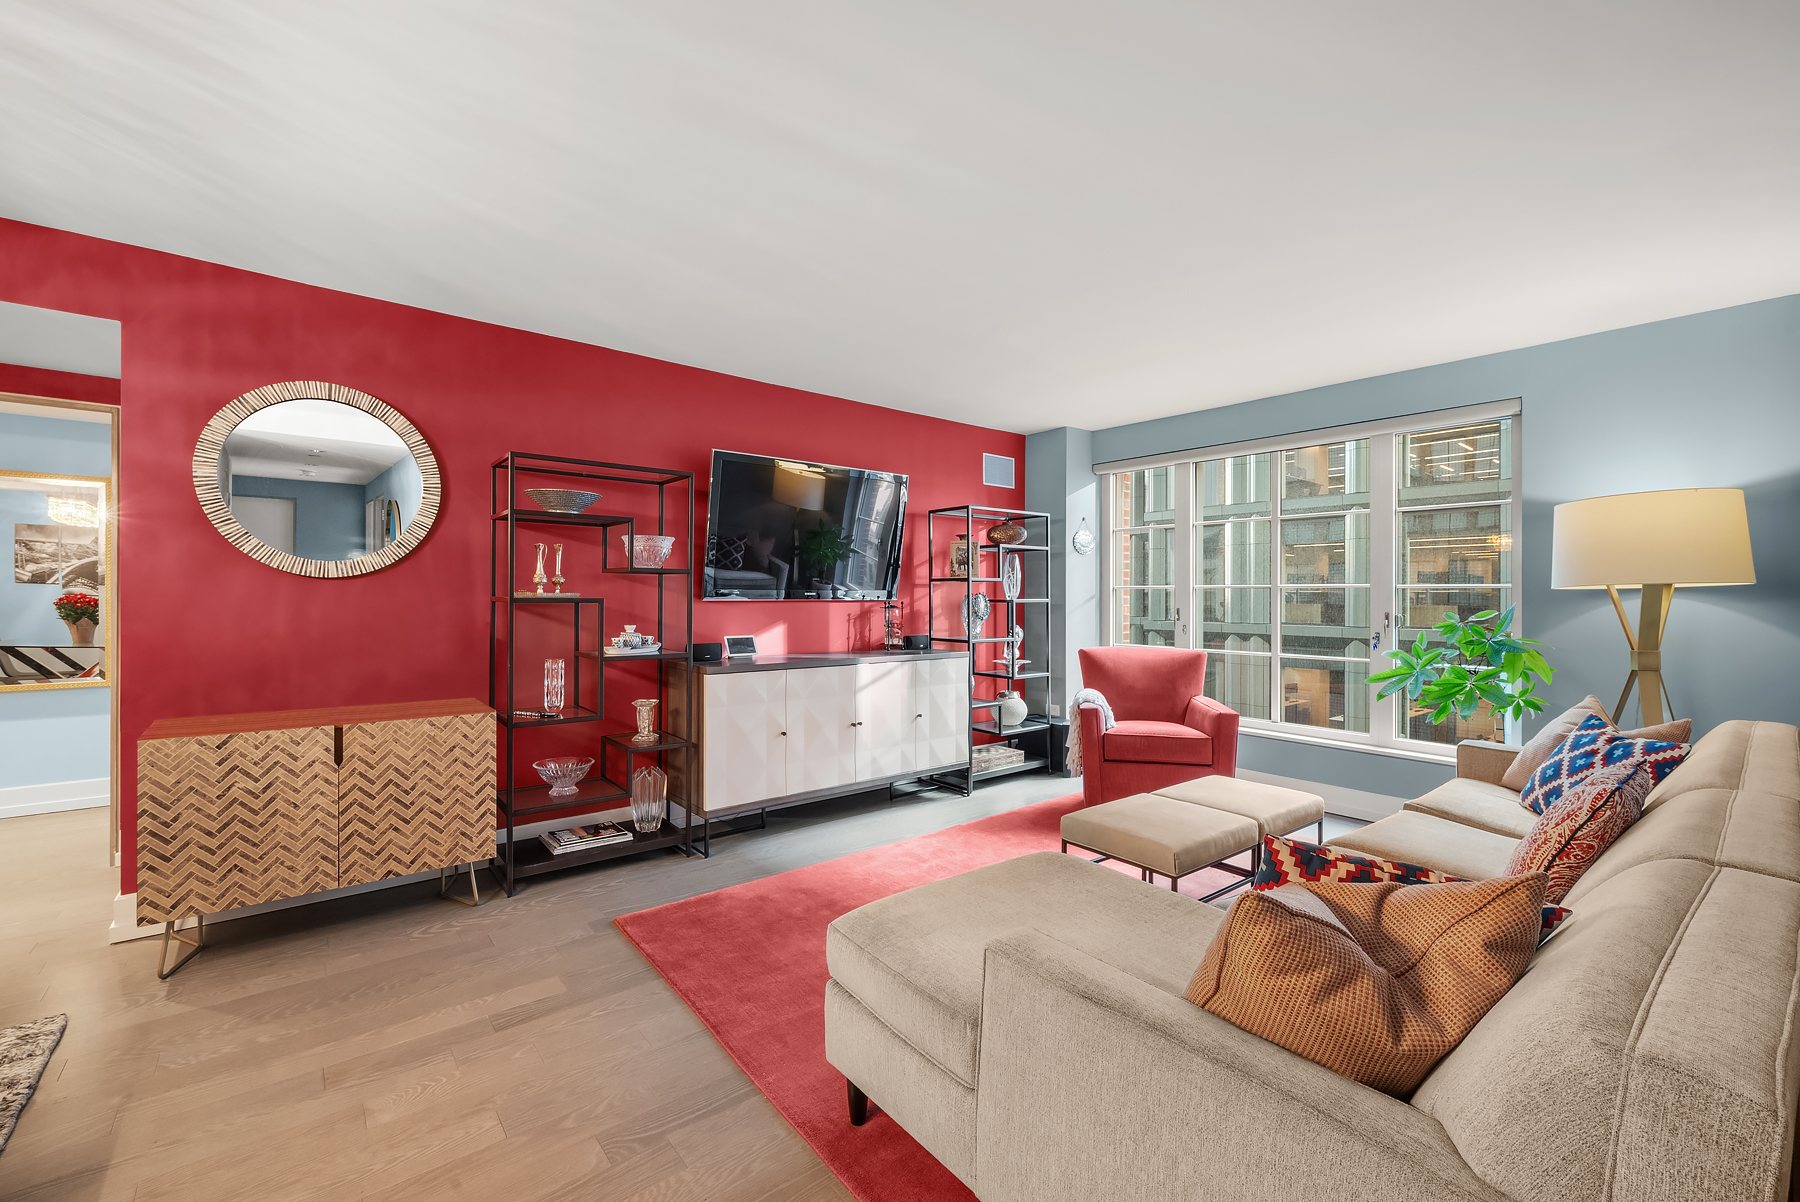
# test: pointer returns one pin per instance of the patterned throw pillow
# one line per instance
(1532, 756)
(1375, 982)
(1596, 744)
(730, 552)
(1574, 832)
(1295, 862)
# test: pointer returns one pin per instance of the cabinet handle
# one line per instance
(784, 734)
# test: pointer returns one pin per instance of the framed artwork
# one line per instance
(62, 544)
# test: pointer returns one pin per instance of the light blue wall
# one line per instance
(50, 735)
(1059, 480)
(328, 518)
(1710, 400)
(401, 483)
(53, 735)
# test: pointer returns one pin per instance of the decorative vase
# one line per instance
(646, 714)
(1012, 709)
(959, 557)
(649, 786)
(553, 684)
(1012, 575)
(81, 634)
(1006, 533)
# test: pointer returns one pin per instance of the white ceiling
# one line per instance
(1018, 214)
(314, 440)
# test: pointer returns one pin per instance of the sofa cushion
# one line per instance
(1156, 743)
(1449, 847)
(1276, 810)
(915, 959)
(1644, 1055)
(1577, 830)
(1595, 744)
(1538, 748)
(1478, 804)
(1373, 981)
(1761, 757)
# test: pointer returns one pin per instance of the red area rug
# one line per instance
(761, 991)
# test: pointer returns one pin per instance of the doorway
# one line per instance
(58, 642)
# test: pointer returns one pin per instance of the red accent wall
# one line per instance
(206, 630)
(58, 385)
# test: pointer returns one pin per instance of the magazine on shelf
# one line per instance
(580, 838)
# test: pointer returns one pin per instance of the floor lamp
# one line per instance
(1653, 541)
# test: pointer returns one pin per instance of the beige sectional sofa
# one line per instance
(1025, 1022)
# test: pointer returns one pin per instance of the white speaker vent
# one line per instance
(997, 471)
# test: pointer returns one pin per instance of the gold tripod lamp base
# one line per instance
(1646, 653)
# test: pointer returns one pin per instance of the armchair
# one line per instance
(1166, 730)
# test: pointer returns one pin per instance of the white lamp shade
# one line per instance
(1683, 536)
(798, 486)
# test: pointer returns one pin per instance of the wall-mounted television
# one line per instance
(792, 530)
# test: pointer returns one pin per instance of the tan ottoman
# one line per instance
(1161, 834)
(1275, 810)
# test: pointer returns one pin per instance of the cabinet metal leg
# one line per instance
(444, 886)
(165, 970)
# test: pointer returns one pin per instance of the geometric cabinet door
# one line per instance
(233, 818)
(415, 794)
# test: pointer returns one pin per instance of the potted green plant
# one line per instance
(1480, 660)
(825, 548)
(80, 612)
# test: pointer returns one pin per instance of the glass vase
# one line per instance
(646, 718)
(553, 685)
(649, 788)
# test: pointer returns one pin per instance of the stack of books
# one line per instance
(581, 838)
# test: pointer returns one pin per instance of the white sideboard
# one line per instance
(774, 730)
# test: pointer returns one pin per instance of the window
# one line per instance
(1144, 559)
(1298, 562)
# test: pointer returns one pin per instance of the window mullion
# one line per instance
(1182, 580)
(1384, 492)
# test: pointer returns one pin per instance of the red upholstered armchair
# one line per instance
(1166, 731)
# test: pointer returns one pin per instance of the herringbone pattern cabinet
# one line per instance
(250, 808)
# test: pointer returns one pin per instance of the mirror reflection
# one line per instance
(320, 480)
(52, 612)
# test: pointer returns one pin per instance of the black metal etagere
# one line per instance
(1030, 613)
(510, 510)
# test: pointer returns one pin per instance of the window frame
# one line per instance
(1384, 587)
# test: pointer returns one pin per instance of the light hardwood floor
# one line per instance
(394, 1045)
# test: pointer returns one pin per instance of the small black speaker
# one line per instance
(709, 653)
(918, 642)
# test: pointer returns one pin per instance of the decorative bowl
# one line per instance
(651, 551)
(1006, 533)
(562, 772)
(562, 500)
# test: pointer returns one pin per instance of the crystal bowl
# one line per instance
(561, 772)
(562, 500)
(651, 551)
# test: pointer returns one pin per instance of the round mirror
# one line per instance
(316, 479)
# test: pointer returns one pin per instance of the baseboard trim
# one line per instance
(124, 927)
(1350, 803)
(19, 800)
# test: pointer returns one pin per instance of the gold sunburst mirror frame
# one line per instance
(212, 444)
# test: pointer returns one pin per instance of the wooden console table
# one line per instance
(239, 809)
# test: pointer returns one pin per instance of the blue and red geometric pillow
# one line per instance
(1295, 862)
(1591, 746)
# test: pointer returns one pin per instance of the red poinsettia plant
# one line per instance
(72, 607)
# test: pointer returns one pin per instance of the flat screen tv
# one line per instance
(789, 530)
